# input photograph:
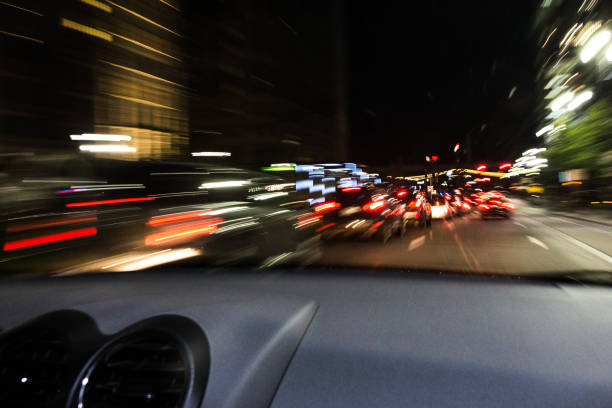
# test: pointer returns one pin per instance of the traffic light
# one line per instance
(434, 158)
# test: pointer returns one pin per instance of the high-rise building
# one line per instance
(93, 66)
(260, 79)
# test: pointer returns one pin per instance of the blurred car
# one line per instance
(417, 212)
(496, 207)
(128, 209)
(440, 208)
(461, 205)
(363, 212)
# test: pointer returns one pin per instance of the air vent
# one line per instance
(34, 370)
(143, 369)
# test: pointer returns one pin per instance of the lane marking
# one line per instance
(583, 225)
(588, 248)
(537, 242)
(580, 244)
(465, 256)
(417, 242)
(519, 224)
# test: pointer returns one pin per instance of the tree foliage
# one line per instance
(584, 141)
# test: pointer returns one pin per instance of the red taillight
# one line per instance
(331, 224)
(437, 203)
(329, 206)
(106, 202)
(169, 219)
(496, 202)
(350, 189)
(484, 207)
(416, 203)
(447, 198)
(402, 193)
(48, 239)
(508, 205)
(467, 200)
(374, 206)
(182, 232)
(466, 206)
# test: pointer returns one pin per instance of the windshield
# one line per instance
(424, 136)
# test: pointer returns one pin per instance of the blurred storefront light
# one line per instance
(225, 184)
(211, 154)
(100, 137)
(107, 148)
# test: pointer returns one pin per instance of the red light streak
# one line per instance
(47, 239)
(105, 202)
(168, 219)
(484, 207)
(349, 189)
(505, 166)
(375, 226)
(332, 205)
(402, 193)
(312, 219)
(374, 206)
(481, 167)
(174, 235)
(508, 205)
(326, 226)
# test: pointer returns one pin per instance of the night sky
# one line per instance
(422, 74)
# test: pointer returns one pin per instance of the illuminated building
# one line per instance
(94, 66)
(259, 80)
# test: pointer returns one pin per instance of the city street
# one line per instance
(533, 241)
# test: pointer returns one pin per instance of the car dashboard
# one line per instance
(320, 338)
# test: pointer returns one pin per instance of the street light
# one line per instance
(596, 43)
(456, 148)
(581, 98)
(560, 101)
(545, 129)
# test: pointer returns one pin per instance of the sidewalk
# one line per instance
(602, 215)
(598, 216)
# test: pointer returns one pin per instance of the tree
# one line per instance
(584, 141)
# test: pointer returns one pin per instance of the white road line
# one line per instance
(588, 248)
(417, 242)
(536, 241)
(519, 224)
(580, 244)
(583, 225)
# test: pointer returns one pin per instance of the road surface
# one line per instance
(532, 241)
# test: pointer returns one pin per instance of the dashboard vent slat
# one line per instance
(142, 369)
